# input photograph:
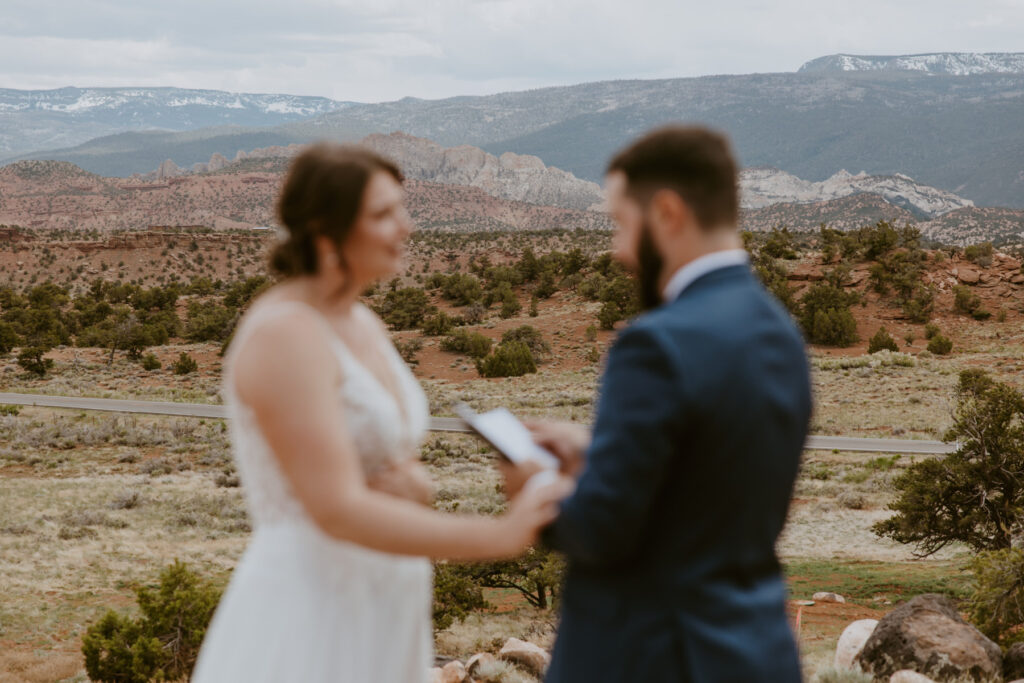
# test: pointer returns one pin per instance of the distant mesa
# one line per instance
(519, 177)
(761, 187)
(945, 63)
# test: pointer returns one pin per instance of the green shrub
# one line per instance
(31, 360)
(408, 349)
(779, 244)
(438, 324)
(510, 306)
(9, 337)
(882, 340)
(530, 336)
(510, 359)
(404, 309)
(209, 321)
(10, 410)
(609, 315)
(940, 345)
(547, 286)
(930, 330)
(151, 362)
(461, 289)
(164, 642)
(775, 279)
(920, 304)
(472, 344)
(826, 317)
(980, 254)
(456, 594)
(185, 364)
(996, 602)
(964, 300)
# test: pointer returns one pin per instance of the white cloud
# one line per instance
(434, 48)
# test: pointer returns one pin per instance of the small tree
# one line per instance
(964, 300)
(151, 362)
(438, 324)
(940, 345)
(609, 314)
(825, 315)
(185, 364)
(510, 359)
(31, 360)
(161, 645)
(530, 336)
(975, 495)
(472, 344)
(997, 598)
(882, 340)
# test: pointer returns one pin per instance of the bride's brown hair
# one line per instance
(322, 195)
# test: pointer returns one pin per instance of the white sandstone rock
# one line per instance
(851, 642)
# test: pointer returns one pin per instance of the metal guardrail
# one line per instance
(437, 424)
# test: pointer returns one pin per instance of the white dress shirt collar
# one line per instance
(685, 276)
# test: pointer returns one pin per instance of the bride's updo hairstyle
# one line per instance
(322, 195)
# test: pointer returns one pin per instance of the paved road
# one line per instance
(437, 424)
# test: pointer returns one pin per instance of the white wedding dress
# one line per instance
(302, 606)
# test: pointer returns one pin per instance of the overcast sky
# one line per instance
(387, 49)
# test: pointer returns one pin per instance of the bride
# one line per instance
(326, 420)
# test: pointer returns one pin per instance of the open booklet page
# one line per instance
(508, 435)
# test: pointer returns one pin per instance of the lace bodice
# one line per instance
(383, 430)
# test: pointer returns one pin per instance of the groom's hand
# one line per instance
(567, 441)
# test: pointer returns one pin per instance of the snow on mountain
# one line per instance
(35, 120)
(760, 187)
(946, 63)
(82, 100)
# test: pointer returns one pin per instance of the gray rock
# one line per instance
(928, 636)
(1013, 662)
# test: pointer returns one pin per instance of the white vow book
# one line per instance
(507, 435)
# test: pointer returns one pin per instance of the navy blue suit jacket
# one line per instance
(670, 535)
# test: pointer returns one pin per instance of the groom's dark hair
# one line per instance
(694, 162)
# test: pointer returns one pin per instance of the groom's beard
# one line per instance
(649, 267)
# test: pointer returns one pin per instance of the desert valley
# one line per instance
(128, 285)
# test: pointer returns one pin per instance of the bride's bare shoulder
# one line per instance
(280, 344)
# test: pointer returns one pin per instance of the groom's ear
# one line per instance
(670, 215)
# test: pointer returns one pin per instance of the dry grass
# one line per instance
(92, 504)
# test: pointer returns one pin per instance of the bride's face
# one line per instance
(376, 246)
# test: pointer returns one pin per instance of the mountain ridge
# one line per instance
(957, 133)
(947, 63)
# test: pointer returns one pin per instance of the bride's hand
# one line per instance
(407, 479)
(529, 512)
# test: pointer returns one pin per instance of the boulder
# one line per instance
(824, 596)
(1013, 662)
(908, 676)
(454, 672)
(532, 658)
(484, 659)
(807, 272)
(928, 636)
(851, 642)
(968, 276)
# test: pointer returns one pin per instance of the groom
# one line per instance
(685, 481)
